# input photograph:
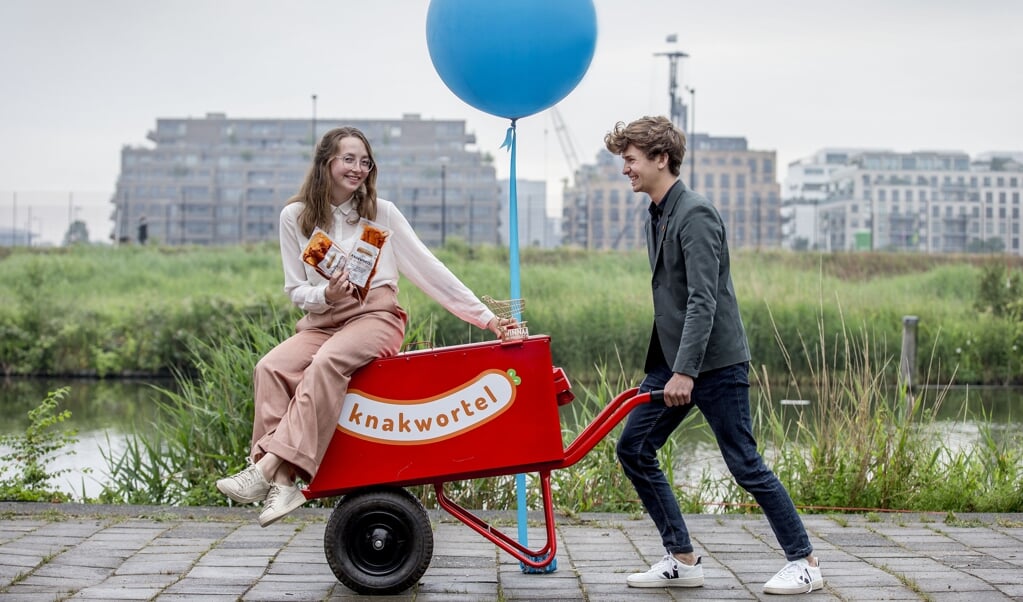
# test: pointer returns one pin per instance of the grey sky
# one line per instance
(80, 79)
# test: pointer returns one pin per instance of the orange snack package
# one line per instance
(362, 261)
(325, 256)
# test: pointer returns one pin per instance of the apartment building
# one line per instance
(743, 185)
(923, 201)
(218, 180)
(805, 188)
(601, 211)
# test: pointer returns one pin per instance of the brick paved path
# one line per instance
(113, 553)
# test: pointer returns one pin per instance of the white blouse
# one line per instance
(403, 252)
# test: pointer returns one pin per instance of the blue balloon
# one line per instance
(511, 58)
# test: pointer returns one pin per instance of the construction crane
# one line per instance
(582, 183)
(572, 158)
(565, 140)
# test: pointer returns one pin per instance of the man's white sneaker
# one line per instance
(281, 500)
(669, 572)
(245, 487)
(797, 577)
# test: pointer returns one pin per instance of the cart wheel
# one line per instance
(379, 541)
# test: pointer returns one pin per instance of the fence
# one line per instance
(42, 218)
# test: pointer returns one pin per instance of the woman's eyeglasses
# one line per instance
(351, 162)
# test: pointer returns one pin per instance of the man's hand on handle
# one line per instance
(679, 390)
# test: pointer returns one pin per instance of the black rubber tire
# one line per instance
(379, 541)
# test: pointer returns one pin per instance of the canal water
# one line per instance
(105, 412)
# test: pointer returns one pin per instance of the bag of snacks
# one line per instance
(325, 256)
(362, 261)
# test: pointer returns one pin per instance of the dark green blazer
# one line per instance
(697, 325)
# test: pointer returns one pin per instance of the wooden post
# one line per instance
(907, 365)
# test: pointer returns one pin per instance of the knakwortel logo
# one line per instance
(408, 421)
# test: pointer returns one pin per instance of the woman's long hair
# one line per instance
(315, 190)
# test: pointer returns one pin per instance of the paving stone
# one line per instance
(165, 597)
(115, 594)
(204, 587)
(30, 597)
(288, 590)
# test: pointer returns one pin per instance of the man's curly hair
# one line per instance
(653, 136)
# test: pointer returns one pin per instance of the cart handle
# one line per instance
(608, 418)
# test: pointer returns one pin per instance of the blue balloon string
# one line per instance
(508, 136)
(516, 293)
(513, 224)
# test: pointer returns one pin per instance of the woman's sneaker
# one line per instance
(281, 500)
(245, 487)
(797, 577)
(669, 572)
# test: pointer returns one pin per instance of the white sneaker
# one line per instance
(245, 487)
(797, 577)
(280, 501)
(669, 572)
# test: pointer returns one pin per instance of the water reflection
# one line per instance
(998, 405)
(116, 405)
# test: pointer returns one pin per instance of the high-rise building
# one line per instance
(218, 180)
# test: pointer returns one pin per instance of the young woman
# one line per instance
(301, 383)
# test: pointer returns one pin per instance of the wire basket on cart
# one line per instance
(509, 308)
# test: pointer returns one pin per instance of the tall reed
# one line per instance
(597, 482)
(201, 430)
(866, 443)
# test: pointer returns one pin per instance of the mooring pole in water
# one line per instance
(907, 365)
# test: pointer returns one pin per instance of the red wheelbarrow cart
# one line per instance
(435, 416)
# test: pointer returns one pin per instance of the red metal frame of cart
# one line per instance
(456, 413)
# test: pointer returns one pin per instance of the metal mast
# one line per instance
(678, 109)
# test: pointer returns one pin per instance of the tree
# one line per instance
(77, 234)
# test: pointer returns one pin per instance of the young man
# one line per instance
(699, 356)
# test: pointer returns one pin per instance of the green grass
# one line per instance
(114, 311)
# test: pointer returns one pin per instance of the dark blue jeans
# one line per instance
(722, 396)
